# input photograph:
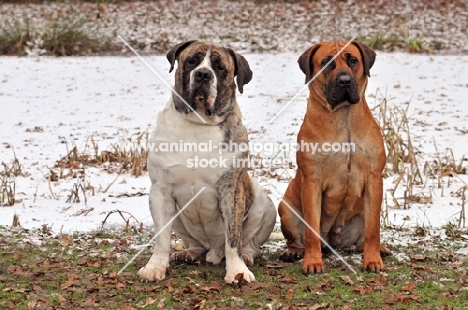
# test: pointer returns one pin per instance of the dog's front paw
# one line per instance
(372, 263)
(292, 255)
(151, 274)
(311, 266)
(231, 275)
(185, 256)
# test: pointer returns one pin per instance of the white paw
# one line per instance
(235, 265)
(231, 275)
(151, 274)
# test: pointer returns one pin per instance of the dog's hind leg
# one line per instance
(291, 225)
(194, 249)
(293, 231)
(258, 226)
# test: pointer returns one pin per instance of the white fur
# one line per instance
(235, 265)
(172, 179)
(155, 269)
(201, 225)
(206, 64)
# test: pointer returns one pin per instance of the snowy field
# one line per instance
(48, 105)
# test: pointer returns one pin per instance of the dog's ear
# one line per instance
(175, 51)
(305, 61)
(241, 70)
(368, 56)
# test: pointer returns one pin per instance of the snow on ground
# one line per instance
(50, 104)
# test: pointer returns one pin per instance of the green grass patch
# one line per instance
(65, 37)
(400, 41)
(40, 270)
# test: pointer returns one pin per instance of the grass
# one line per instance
(415, 181)
(402, 157)
(8, 174)
(14, 38)
(80, 270)
(400, 41)
(67, 36)
(129, 156)
(63, 37)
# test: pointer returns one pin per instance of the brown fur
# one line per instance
(332, 191)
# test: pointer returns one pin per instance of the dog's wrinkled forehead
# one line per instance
(198, 51)
(328, 50)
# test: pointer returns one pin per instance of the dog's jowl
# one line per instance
(232, 217)
(338, 191)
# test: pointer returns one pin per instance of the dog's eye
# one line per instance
(352, 61)
(191, 61)
(219, 68)
(326, 61)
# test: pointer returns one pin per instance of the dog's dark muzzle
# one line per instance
(342, 88)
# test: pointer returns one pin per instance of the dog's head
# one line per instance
(205, 77)
(343, 80)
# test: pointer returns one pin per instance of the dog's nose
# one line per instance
(203, 75)
(344, 80)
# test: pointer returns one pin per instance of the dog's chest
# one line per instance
(187, 154)
(340, 163)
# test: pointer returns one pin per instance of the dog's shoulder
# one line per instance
(233, 128)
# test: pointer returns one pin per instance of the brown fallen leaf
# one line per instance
(199, 305)
(94, 264)
(189, 289)
(32, 304)
(100, 281)
(37, 289)
(325, 284)
(408, 287)
(216, 286)
(239, 281)
(92, 290)
(347, 280)
(91, 302)
(70, 281)
(120, 285)
(418, 257)
(247, 290)
(287, 279)
(53, 176)
(275, 290)
(66, 240)
(161, 303)
(323, 305)
(363, 290)
(149, 301)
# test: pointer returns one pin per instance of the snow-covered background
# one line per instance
(48, 105)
